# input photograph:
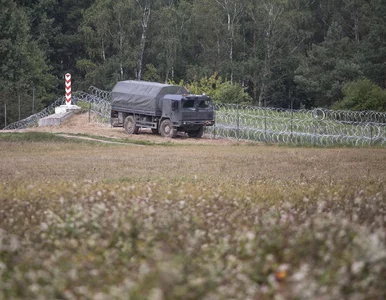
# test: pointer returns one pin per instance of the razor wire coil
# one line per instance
(262, 124)
(319, 126)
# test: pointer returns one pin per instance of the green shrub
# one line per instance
(362, 95)
(220, 91)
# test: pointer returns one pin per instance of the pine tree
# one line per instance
(24, 70)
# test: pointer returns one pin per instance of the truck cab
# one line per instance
(187, 113)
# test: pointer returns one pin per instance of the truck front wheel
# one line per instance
(196, 133)
(130, 125)
(167, 130)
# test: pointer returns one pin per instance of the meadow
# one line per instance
(88, 220)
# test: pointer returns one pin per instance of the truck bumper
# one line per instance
(195, 123)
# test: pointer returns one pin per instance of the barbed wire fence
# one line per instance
(304, 127)
(269, 125)
(96, 101)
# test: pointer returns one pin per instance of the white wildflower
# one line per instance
(250, 235)
(357, 267)
(144, 269)
(302, 273)
(44, 226)
(156, 294)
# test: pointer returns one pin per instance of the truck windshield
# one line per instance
(199, 103)
(188, 104)
(204, 103)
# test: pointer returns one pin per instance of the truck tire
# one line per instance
(196, 133)
(167, 130)
(130, 125)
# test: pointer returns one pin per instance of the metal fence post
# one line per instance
(19, 106)
(265, 127)
(89, 113)
(33, 100)
(237, 122)
(292, 117)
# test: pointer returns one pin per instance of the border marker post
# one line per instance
(68, 88)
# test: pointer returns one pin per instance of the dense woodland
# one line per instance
(282, 53)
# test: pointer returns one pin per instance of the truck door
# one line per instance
(171, 109)
(189, 109)
(175, 110)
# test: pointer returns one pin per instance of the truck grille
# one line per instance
(197, 116)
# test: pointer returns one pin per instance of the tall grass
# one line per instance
(191, 222)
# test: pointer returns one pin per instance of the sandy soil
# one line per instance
(79, 123)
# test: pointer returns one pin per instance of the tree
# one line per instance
(24, 70)
(327, 68)
(208, 42)
(233, 10)
(169, 39)
(277, 33)
(145, 6)
(110, 32)
(372, 47)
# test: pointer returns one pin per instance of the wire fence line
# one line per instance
(269, 125)
(98, 102)
(316, 127)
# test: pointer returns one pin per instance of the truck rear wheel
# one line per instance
(196, 133)
(130, 125)
(167, 130)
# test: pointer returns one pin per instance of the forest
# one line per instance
(276, 53)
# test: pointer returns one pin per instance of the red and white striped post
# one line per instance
(68, 89)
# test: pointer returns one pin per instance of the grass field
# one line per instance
(90, 220)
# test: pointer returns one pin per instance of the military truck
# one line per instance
(165, 109)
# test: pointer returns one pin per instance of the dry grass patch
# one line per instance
(95, 221)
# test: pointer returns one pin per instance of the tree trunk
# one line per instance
(145, 23)
(121, 56)
(103, 51)
(261, 95)
(233, 11)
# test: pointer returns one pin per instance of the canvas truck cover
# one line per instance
(142, 96)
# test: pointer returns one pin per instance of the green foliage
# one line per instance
(85, 65)
(31, 137)
(362, 95)
(23, 66)
(151, 73)
(299, 52)
(84, 106)
(327, 68)
(231, 93)
(220, 91)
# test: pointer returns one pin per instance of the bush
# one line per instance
(220, 91)
(362, 95)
